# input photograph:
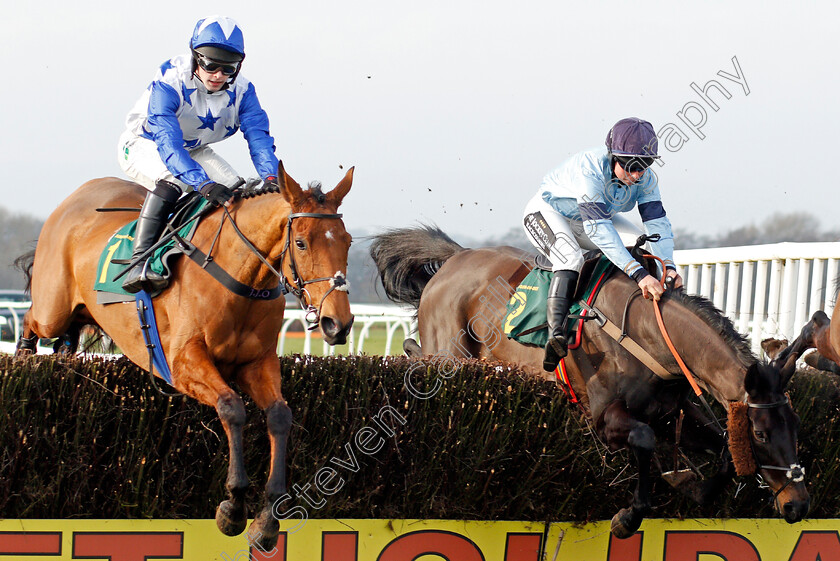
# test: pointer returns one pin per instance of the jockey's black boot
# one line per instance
(150, 224)
(560, 294)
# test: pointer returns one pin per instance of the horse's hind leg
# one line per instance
(69, 342)
(818, 361)
(261, 381)
(622, 430)
(27, 344)
(195, 375)
(814, 332)
(412, 348)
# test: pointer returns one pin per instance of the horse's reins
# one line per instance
(795, 473)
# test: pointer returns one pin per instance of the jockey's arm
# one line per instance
(597, 225)
(656, 221)
(602, 232)
(166, 132)
(254, 121)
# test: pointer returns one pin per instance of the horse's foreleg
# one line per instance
(262, 382)
(699, 434)
(231, 515)
(264, 529)
(195, 375)
(621, 430)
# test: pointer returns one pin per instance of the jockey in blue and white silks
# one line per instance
(577, 207)
(193, 101)
(179, 115)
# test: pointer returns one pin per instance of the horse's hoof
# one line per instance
(412, 348)
(263, 531)
(679, 479)
(263, 543)
(618, 526)
(229, 521)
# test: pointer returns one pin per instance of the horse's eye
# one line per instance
(301, 245)
(760, 435)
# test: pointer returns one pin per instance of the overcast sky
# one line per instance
(451, 111)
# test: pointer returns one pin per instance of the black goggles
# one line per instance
(632, 164)
(210, 65)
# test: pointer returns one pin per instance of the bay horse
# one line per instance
(211, 337)
(460, 296)
(819, 333)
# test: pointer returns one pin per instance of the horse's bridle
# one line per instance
(298, 285)
(337, 281)
(793, 474)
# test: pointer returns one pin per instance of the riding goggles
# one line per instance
(210, 65)
(632, 164)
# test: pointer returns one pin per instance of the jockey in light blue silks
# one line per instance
(576, 208)
(194, 100)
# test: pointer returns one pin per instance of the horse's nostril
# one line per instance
(788, 508)
(794, 511)
(328, 326)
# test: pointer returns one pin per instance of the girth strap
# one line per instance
(611, 329)
(148, 326)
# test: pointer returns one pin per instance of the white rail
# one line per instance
(767, 290)
(367, 316)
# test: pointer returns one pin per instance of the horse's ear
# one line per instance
(752, 380)
(763, 379)
(337, 195)
(289, 188)
(760, 380)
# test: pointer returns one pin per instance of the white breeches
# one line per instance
(563, 240)
(140, 160)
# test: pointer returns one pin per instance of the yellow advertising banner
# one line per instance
(423, 540)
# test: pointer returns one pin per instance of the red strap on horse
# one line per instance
(688, 375)
(583, 312)
(560, 372)
(565, 383)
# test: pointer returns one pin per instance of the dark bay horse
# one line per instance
(211, 337)
(460, 296)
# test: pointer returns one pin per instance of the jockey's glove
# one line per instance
(216, 193)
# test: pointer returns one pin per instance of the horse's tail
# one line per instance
(407, 258)
(24, 264)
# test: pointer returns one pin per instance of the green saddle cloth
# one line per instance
(121, 245)
(526, 319)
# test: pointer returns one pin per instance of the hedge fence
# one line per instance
(92, 439)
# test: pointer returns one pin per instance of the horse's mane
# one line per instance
(704, 309)
(315, 190)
